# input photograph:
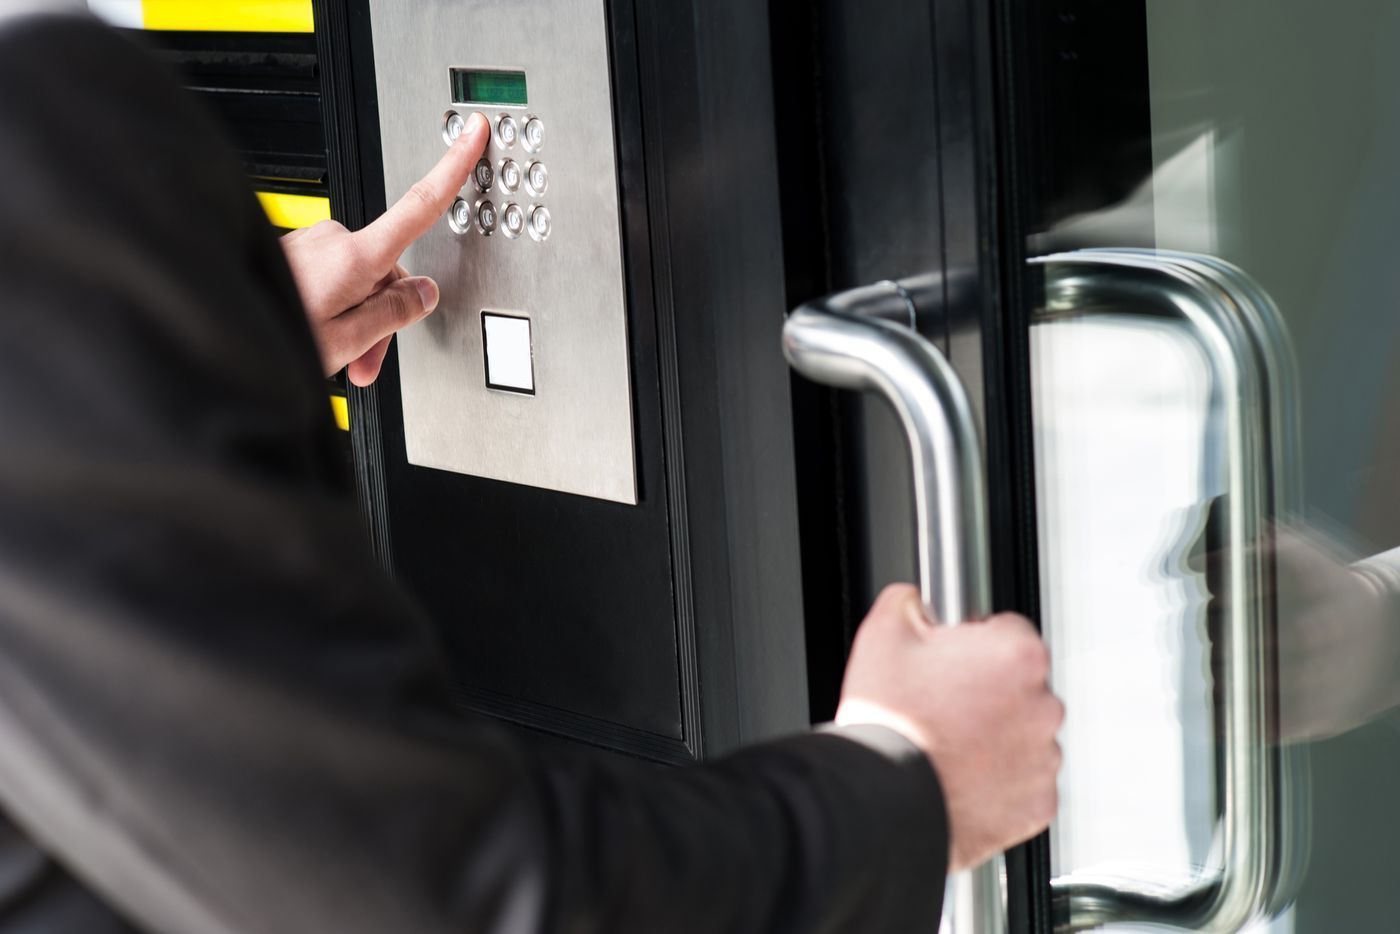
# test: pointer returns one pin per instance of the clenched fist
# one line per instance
(976, 700)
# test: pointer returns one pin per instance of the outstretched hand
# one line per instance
(355, 292)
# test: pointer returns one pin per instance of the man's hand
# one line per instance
(1338, 635)
(1338, 638)
(975, 699)
(355, 292)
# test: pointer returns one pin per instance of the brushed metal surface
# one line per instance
(575, 434)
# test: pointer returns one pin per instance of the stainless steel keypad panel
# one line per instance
(506, 175)
(535, 231)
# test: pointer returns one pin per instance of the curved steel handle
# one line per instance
(1240, 332)
(864, 339)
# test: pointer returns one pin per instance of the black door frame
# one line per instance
(906, 157)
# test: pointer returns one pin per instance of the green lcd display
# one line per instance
(476, 86)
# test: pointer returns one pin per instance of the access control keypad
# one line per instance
(511, 174)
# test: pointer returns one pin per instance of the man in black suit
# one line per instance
(208, 724)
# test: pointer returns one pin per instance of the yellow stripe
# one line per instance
(341, 408)
(294, 211)
(230, 15)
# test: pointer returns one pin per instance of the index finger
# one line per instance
(428, 199)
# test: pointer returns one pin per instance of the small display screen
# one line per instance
(475, 86)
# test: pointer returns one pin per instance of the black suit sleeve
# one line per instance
(213, 707)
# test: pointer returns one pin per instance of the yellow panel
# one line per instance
(294, 211)
(230, 15)
(341, 408)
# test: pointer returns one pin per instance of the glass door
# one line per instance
(1215, 366)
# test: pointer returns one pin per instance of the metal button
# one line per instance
(486, 217)
(453, 126)
(537, 178)
(459, 218)
(484, 175)
(512, 220)
(510, 175)
(507, 131)
(534, 134)
(539, 222)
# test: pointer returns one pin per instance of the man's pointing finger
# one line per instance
(415, 213)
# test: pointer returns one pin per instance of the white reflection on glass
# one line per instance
(1121, 410)
(1128, 462)
(1275, 145)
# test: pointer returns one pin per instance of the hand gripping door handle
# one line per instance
(1263, 821)
(864, 339)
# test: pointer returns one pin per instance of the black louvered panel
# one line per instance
(266, 89)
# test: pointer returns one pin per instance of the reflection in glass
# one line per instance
(1258, 819)
(1119, 407)
(1275, 144)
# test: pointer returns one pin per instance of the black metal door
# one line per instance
(901, 162)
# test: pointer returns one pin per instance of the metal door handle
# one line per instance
(865, 340)
(1263, 795)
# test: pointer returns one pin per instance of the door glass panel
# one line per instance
(1119, 405)
(1265, 133)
